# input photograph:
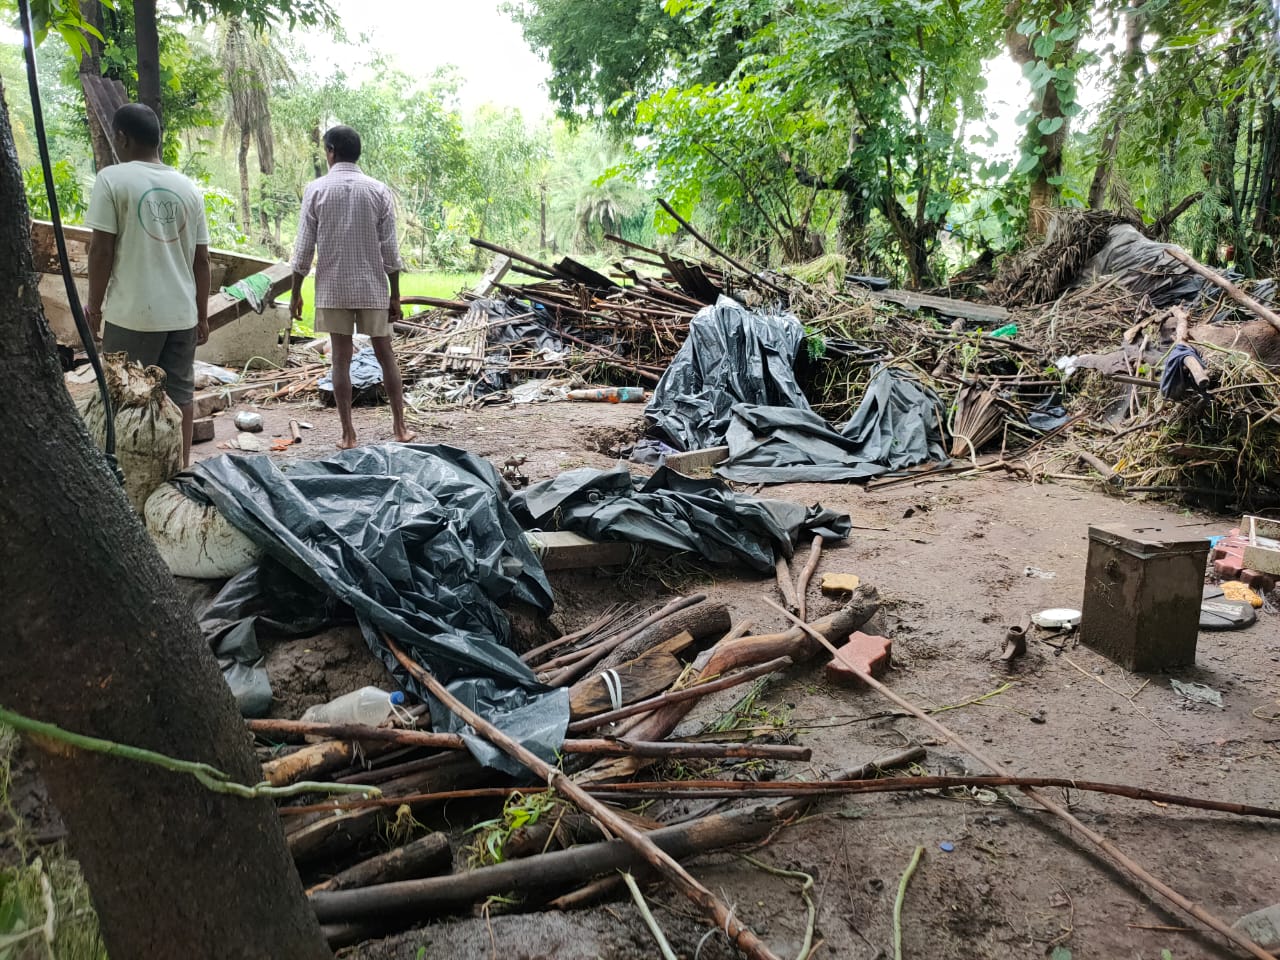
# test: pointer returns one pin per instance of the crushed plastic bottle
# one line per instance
(367, 706)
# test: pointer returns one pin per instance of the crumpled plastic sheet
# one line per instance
(419, 543)
(366, 372)
(732, 356)
(897, 425)
(674, 512)
(733, 384)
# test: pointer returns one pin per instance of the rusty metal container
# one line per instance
(1142, 593)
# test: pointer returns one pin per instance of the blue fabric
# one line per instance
(1176, 380)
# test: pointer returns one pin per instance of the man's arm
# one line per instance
(304, 250)
(201, 268)
(391, 252)
(102, 258)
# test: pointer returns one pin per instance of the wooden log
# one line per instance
(311, 761)
(716, 909)
(785, 586)
(1235, 292)
(424, 857)
(735, 652)
(1134, 870)
(550, 871)
(653, 671)
(802, 583)
(330, 836)
(676, 696)
(578, 666)
(701, 621)
(717, 251)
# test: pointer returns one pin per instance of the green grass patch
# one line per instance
(441, 284)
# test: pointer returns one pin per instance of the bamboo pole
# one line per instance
(785, 586)
(603, 748)
(1216, 278)
(1135, 870)
(738, 934)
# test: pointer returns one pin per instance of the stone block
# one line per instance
(838, 584)
(202, 430)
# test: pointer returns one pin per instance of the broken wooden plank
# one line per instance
(493, 276)
(562, 550)
(947, 307)
(646, 675)
(224, 308)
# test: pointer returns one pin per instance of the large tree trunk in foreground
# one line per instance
(97, 640)
(146, 31)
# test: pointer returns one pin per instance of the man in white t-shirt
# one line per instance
(149, 260)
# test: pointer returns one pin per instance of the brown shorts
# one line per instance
(173, 351)
(372, 323)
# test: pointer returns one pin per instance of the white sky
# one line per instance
(495, 64)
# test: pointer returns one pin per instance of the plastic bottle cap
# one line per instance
(397, 698)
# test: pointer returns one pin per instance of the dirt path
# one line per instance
(951, 561)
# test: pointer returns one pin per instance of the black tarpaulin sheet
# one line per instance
(674, 512)
(419, 543)
(731, 356)
(733, 384)
(897, 425)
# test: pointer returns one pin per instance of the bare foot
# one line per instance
(405, 435)
(347, 442)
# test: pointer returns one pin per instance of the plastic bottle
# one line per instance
(368, 706)
(609, 394)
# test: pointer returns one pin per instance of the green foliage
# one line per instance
(520, 810)
(72, 202)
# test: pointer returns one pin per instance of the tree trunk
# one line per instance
(99, 641)
(243, 159)
(147, 36)
(91, 66)
(1132, 64)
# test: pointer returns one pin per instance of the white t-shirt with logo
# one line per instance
(157, 215)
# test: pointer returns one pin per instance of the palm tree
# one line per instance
(251, 65)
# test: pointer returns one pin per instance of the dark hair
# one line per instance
(138, 122)
(344, 142)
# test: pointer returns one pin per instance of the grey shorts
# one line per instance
(173, 351)
(372, 323)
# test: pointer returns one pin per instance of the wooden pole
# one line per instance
(1135, 870)
(604, 748)
(785, 586)
(802, 584)
(738, 934)
(439, 895)
(717, 251)
(1216, 278)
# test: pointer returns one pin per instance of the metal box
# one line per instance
(1142, 596)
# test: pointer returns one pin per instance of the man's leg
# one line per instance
(178, 359)
(394, 386)
(341, 372)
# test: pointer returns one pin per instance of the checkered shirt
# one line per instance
(348, 223)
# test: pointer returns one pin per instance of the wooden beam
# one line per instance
(943, 305)
(224, 308)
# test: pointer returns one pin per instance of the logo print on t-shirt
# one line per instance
(162, 214)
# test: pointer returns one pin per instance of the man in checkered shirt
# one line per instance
(350, 219)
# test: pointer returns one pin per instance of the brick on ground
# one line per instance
(872, 654)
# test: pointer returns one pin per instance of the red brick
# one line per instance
(872, 655)
(1262, 582)
(1229, 568)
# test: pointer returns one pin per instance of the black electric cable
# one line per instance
(55, 215)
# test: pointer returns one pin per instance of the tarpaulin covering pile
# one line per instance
(674, 512)
(733, 384)
(419, 543)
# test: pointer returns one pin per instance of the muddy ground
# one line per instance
(951, 561)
